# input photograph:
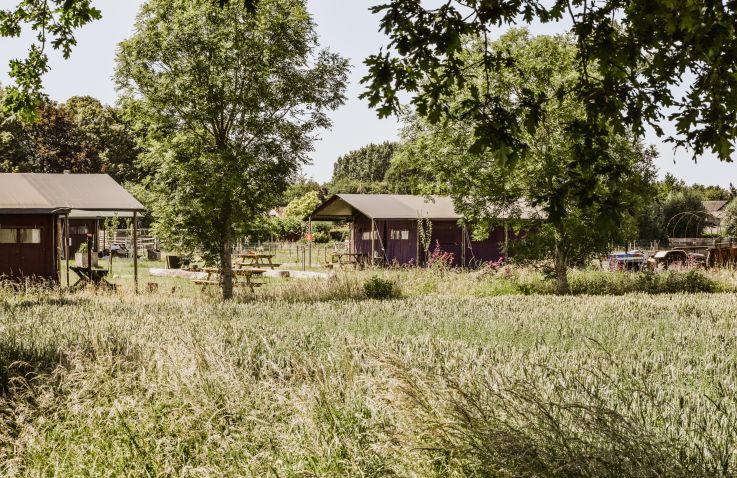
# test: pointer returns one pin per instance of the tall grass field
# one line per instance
(453, 378)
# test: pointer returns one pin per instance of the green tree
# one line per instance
(729, 221)
(683, 215)
(632, 59)
(299, 188)
(233, 100)
(303, 206)
(366, 164)
(81, 135)
(105, 138)
(54, 22)
(411, 170)
(585, 206)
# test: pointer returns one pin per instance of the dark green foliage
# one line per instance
(381, 289)
(575, 209)
(257, 89)
(81, 135)
(633, 57)
(299, 188)
(53, 22)
(729, 222)
(367, 164)
(680, 214)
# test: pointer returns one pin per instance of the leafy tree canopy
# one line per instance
(583, 207)
(232, 100)
(631, 58)
(366, 164)
(729, 221)
(81, 135)
(54, 23)
(301, 207)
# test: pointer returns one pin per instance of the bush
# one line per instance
(618, 283)
(381, 289)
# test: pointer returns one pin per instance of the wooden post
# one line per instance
(309, 243)
(89, 256)
(373, 241)
(417, 236)
(463, 247)
(66, 243)
(135, 251)
(57, 241)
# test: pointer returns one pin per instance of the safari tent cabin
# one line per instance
(34, 209)
(385, 227)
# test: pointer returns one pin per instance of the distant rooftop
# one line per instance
(400, 206)
(714, 206)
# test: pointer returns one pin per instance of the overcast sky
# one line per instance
(345, 26)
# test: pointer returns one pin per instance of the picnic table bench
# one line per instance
(348, 258)
(255, 259)
(246, 273)
(89, 275)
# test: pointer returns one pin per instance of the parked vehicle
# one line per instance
(663, 259)
(626, 260)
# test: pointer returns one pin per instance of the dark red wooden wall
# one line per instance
(447, 235)
(19, 260)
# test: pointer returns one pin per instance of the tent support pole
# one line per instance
(373, 241)
(66, 244)
(309, 243)
(417, 242)
(135, 251)
(463, 247)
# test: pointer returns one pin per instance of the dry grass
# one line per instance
(431, 385)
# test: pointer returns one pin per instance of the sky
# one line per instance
(344, 26)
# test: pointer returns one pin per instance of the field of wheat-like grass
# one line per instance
(427, 385)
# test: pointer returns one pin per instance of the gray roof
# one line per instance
(395, 206)
(714, 206)
(44, 193)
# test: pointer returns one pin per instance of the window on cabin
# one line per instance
(399, 234)
(8, 236)
(78, 230)
(366, 236)
(29, 236)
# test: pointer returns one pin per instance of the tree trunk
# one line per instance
(561, 268)
(226, 263)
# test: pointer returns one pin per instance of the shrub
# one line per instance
(381, 289)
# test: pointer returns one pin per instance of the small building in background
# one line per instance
(395, 228)
(34, 212)
(716, 210)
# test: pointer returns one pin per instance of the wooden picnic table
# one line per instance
(89, 275)
(349, 258)
(255, 259)
(247, 273)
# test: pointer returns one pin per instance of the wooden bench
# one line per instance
(256, 260)
(247, 273)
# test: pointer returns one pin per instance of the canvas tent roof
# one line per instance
(44, 193)
(395, 206)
